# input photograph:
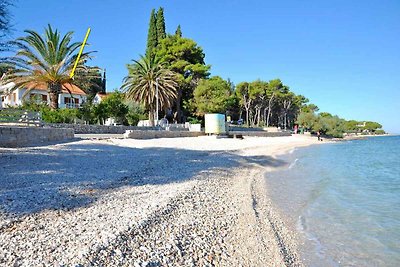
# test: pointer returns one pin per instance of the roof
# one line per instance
(66, 88)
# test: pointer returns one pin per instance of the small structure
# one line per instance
(214, 123)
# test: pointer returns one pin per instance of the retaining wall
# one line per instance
(259, 133)
(149, 134)
(11, 136)
(97, 129)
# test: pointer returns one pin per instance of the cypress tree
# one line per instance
(160, 25)
(103, 82)
(178, 31)
(152, 34)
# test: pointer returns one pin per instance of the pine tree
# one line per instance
(160, 25)
(178, 31)
(152, 34)
(104, 82)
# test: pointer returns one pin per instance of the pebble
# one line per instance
(188, 216)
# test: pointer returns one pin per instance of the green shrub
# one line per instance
(134, 117)
(335, 133)
(194, 120)
(60, 115)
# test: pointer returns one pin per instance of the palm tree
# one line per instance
(45, 61)
(141, 84)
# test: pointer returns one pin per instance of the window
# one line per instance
(44, 98)
(71, 102)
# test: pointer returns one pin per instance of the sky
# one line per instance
(342, 55)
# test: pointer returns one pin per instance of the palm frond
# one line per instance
(141, 82)
(44, 60)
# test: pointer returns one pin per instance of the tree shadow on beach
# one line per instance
(75, 175)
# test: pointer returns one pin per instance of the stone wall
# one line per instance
(12, 136)
(259, 133)
(149, 134)
(254, 129)
(97, 129)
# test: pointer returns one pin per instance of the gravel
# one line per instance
(110, 203)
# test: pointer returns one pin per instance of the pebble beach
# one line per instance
(198, 201)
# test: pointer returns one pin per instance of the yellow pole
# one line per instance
(80, 53)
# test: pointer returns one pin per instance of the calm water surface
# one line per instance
(344, 199)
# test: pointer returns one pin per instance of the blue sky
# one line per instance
(343, 55)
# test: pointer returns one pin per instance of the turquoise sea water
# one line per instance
(344, 199)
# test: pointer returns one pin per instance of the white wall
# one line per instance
(96, 99)
(61, 100)
(12, 99)
(18, 93)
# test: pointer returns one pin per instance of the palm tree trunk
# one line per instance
(151, 117)
(54, 90)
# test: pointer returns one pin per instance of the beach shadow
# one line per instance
(266, 161)
(75, 175)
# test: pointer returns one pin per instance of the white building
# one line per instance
(71, 96)
(99, 97)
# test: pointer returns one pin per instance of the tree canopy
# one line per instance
(178, 31)
(213, 95)
(5, 21)
(45, 60)
(160, 25)
(184, 57)
(152, 39)
(173, 71)
(90, 81)
(148, 80)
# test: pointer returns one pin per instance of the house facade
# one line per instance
(71, 96)
(99, 97)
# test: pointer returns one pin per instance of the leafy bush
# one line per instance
(133, 117)
(194, 120)
(86, 113)
(60, 115)
(51, 116)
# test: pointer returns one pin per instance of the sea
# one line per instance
(344, 201)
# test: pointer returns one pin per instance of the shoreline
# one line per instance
(211, 207)
(362, 137)
(317, 194)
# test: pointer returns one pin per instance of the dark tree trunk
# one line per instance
(54, 91)
(265, 116)
(284, 121)
(178, 115)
